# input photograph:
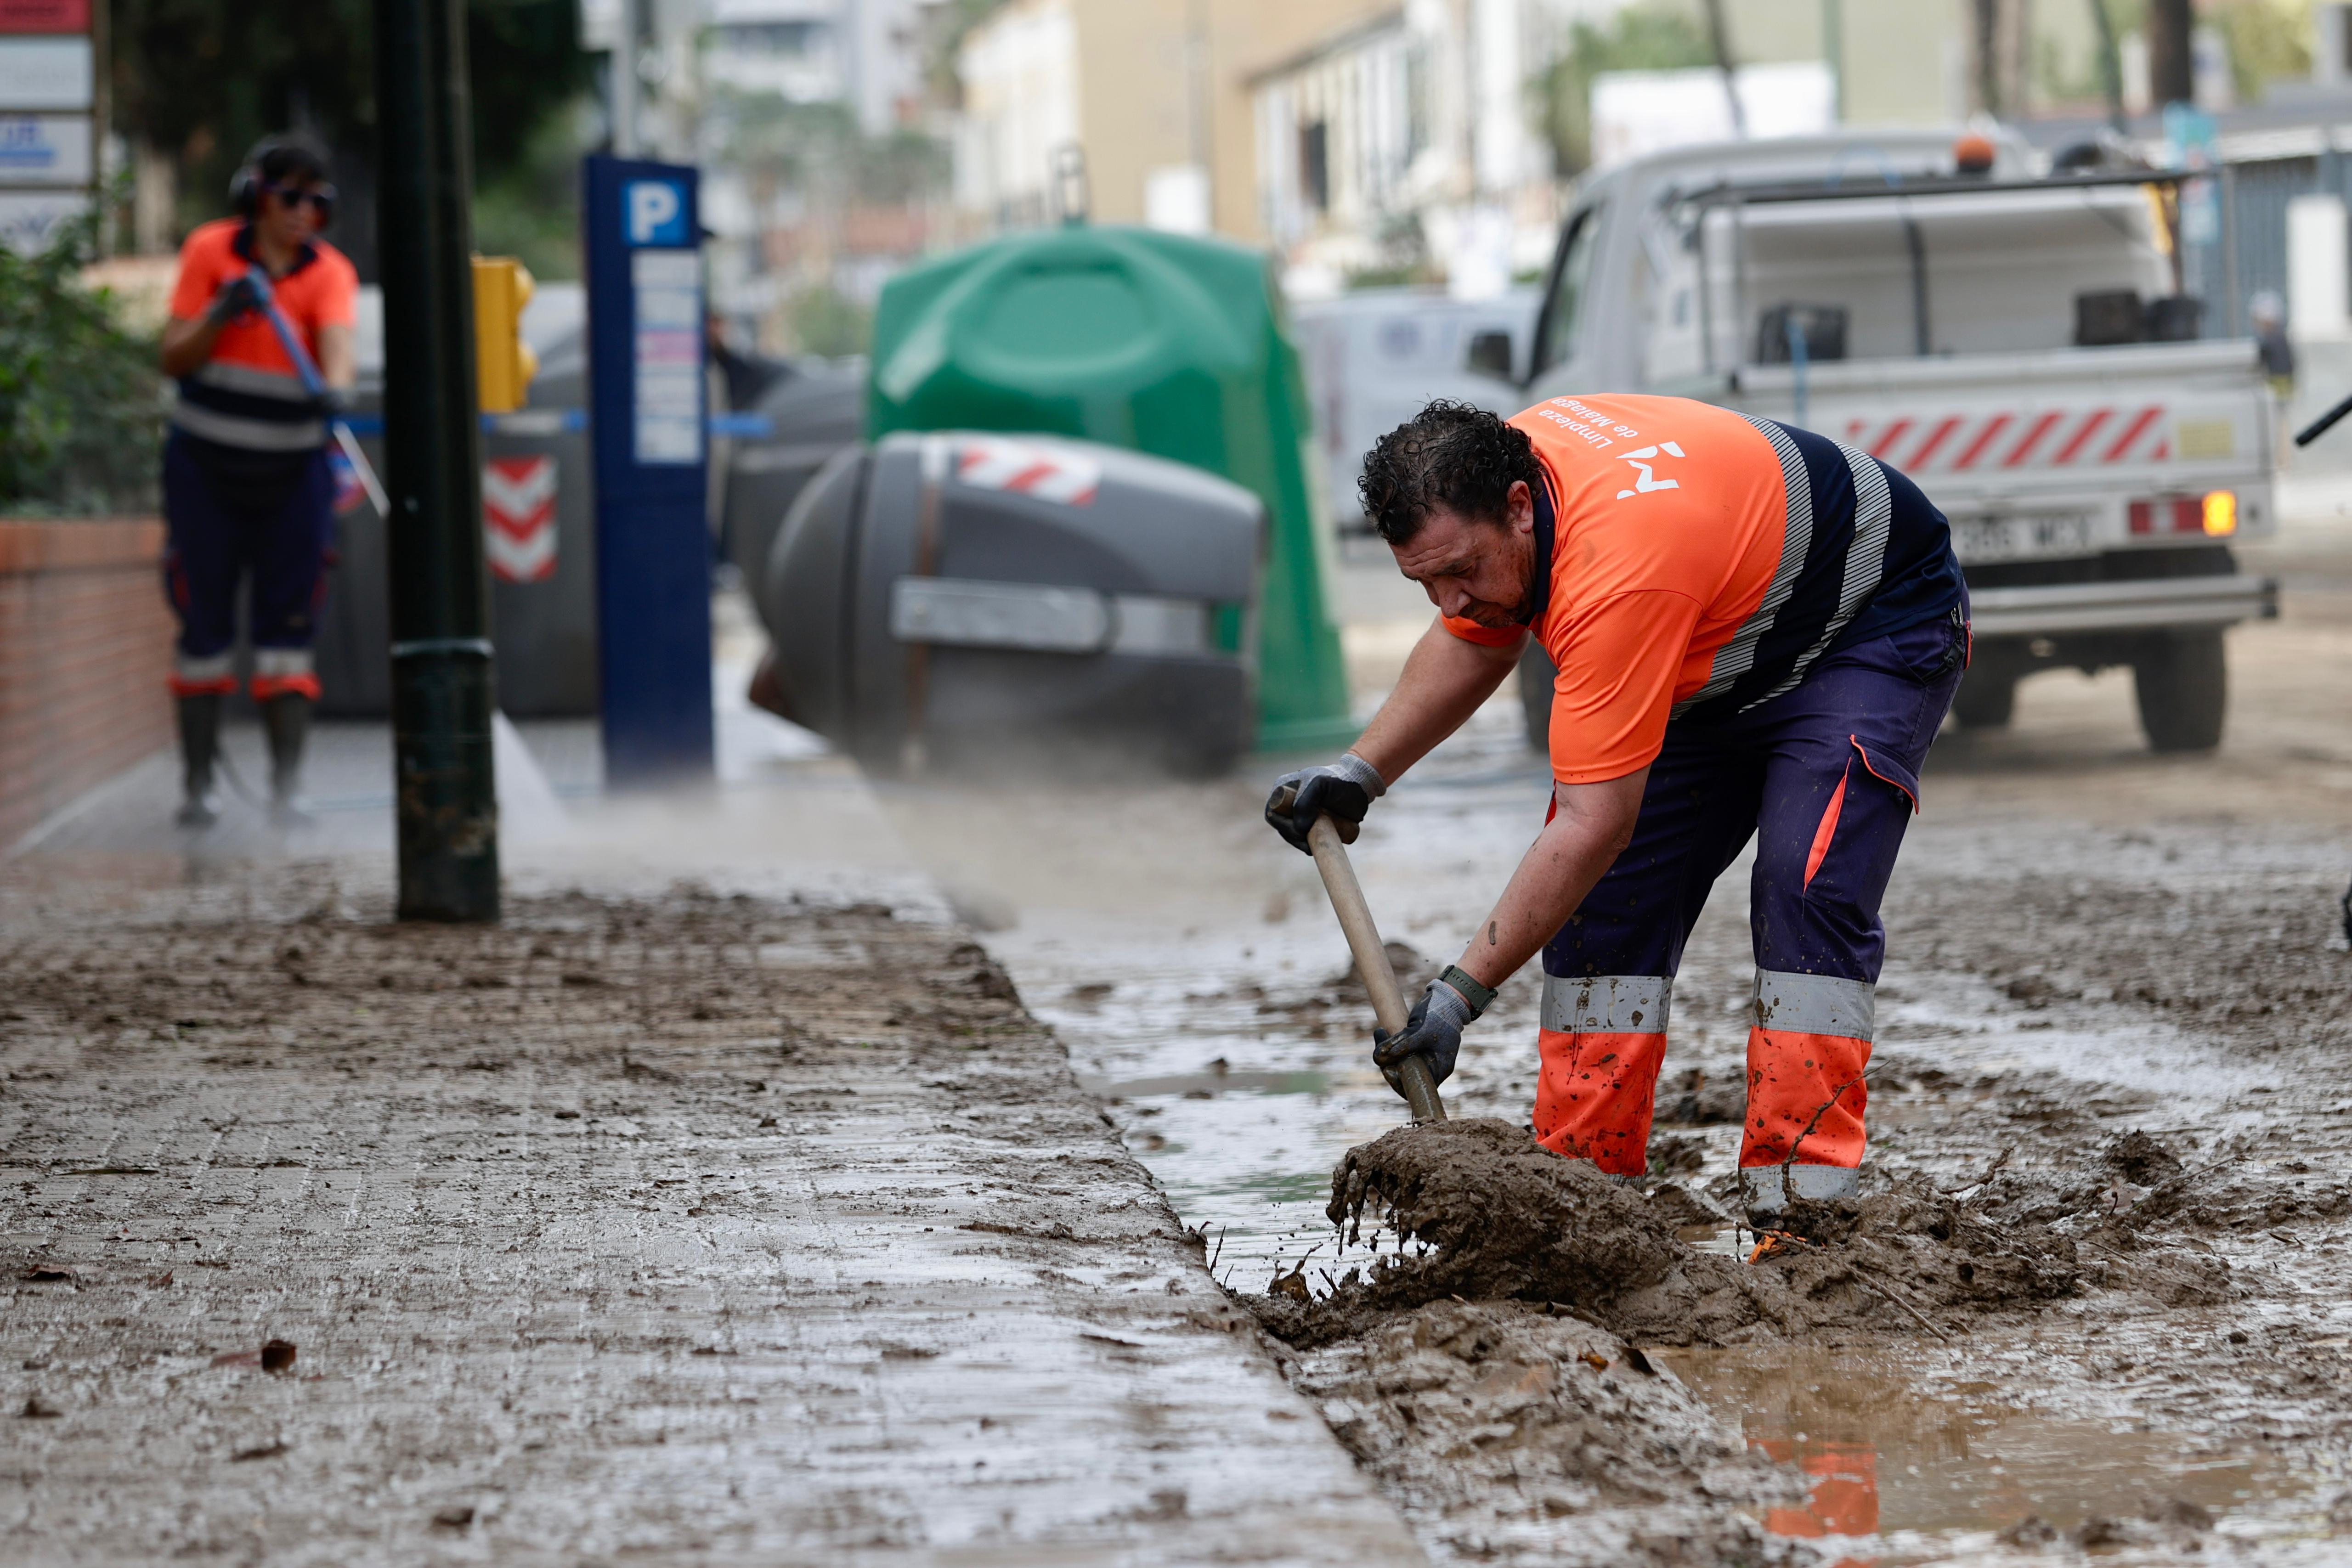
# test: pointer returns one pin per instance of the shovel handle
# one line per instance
(1371, 961)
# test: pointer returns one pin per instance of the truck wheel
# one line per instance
(1537, 674)
(2183, 683)
(1986, 698)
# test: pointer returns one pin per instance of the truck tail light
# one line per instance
(2214, 514)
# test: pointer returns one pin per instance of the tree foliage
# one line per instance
(1642, 37)
(206, 78)
(81, 404)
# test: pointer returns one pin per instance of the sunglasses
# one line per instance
(321, 200)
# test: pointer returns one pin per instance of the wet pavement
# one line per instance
(2086, 942)
(721, 1204)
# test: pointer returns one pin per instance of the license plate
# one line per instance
(2022, 536)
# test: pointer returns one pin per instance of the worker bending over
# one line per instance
(247, 489)
(1758, 631)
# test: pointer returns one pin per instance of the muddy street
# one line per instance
(2110, 1095)
(830, 1171)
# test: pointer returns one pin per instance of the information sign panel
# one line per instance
(44, 149)
(44, 16)
(45, 73)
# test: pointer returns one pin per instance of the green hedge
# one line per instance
(81, 400)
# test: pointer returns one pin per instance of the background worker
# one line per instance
(1758, 632)
(248, 488)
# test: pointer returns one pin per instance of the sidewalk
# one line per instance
(661, 1223)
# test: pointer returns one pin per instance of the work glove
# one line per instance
(237, 296)
(1433, 1031)
(1343, 791)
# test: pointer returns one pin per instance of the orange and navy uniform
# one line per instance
(1701, 560)
(1761, 617)
(248, 490)
(247, 393)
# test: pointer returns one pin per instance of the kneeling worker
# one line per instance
(248, 487)
(1758, 632)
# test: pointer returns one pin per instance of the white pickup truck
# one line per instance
(2018, 343)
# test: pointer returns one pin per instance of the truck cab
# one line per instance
(2023, 344)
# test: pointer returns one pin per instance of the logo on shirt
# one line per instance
(1649, 481)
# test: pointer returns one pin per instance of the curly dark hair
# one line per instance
(1449, 455)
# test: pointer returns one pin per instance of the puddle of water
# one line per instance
(1726, 1240)
(1208, 1085)
(1910, 1455)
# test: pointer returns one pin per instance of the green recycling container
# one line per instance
(1159, 342)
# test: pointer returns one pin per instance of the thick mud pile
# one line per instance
(1479, 1211)
(1511, 1431)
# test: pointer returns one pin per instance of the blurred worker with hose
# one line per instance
(1757, 630)
(248, 484)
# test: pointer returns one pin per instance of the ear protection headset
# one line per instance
(245, 186)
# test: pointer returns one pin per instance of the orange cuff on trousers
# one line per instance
(1806, 1055)
(1603, 1041)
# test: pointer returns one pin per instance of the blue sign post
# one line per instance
(646, 421)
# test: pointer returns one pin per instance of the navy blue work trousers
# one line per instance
(1826, 777)
(233, 515)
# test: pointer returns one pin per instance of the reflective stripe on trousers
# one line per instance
(1807, 1049)
(1601, 1041)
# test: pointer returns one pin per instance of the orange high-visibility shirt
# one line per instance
(1669, 516)
(247, 393)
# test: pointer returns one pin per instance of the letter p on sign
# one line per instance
(653, 211)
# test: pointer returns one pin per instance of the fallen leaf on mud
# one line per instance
(38, 1409)
(238, 1358)
(48, 1274)
(2031, 1531)
(1597, 1362)
(159, 1280)
(278, 1355)
(456, 1518)
(269, 1450)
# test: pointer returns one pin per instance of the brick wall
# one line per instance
(85, 647)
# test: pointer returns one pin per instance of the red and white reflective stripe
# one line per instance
(2044, 438)
(519, 518)
(1048, 473)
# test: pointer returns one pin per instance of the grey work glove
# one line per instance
(236, 297)
(1343, 791)
(1433, 1031)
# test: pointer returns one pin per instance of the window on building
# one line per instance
(1315, 165)
(1416, 102)
(770, 38)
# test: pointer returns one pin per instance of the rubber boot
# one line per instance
(1767, 1190)
(287, 717)
(200, 721)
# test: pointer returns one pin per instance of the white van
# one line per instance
(1374, 358)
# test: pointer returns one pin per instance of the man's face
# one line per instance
(289, 213)
(1482, 571)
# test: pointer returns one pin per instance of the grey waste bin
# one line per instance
(813, 413)
(956, 597)
(544, 628)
